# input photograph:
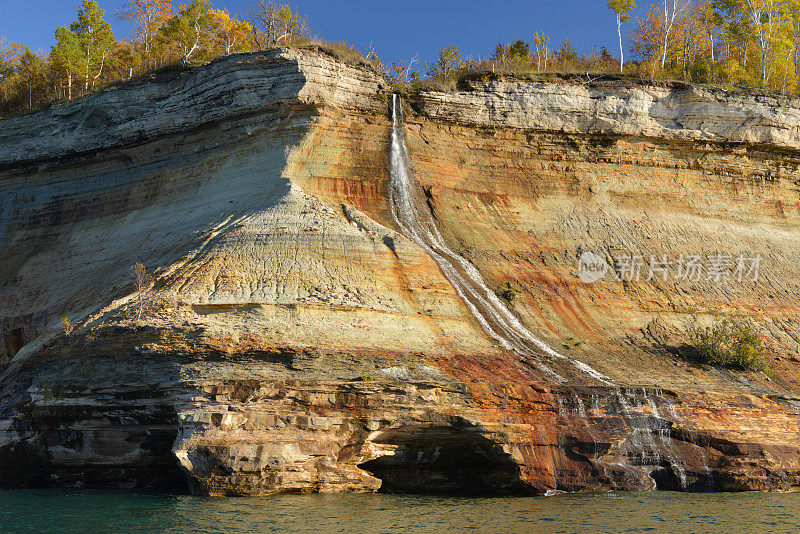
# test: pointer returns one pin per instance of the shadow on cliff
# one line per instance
(444, 459)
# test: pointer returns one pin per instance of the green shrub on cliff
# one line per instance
(731, 343)
(508, 291)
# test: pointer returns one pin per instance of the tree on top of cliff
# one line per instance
(771, 25)
(515, 56)
(290, 25)
(448, 63)
(516, 50)
(95, 40)
(229, 33)
(148, 16)
(30, 65)
(566, 57)
(66, 56)
(541, 42)
(710, 20)
(274, 24)
(672, 9)
(622, 11)
(9, 56)
(190, 30)
(401, 72)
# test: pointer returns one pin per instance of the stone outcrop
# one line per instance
(676, 111)
(295, 341)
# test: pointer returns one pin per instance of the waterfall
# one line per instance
(648, 446)
(650, 435)
(419, 226)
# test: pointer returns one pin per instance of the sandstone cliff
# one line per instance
(300, 343)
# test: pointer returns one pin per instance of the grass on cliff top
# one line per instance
(584, 72)
(340, 51)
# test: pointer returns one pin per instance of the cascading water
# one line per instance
(649, 445)
(419, 226)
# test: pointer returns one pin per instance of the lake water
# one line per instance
(107, 513)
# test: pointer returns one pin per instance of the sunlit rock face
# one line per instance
(301, 343)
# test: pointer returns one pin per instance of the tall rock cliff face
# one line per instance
(294, 340)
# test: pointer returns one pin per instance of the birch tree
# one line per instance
(148, 16)
(273, 23)
(66, 56)
(764, 16)
(141, 281)
(95, 40)
(793, 15)
(622, 10)
(710, 20)
(541, 42)
(30, 66)
(290, 25)
(766, 22)
(191, 29)
(672, 8)
(228, 32)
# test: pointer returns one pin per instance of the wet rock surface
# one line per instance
(300, 343)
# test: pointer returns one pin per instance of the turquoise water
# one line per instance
(107, 513)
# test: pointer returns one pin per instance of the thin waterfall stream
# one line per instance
(419, 226)
(648, 447)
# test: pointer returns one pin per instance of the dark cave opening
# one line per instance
(442, 459)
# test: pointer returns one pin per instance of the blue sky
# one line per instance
(396, 29)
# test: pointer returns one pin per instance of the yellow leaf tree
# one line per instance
(230, 34)
(148, 16)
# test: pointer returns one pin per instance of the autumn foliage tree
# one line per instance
(731, 42)
(9, 59)
(66, 56)
(86, 54)
(30, 66)
(274, 24)
(740, 42)
(190, 30)
(541, 42)
(449, 61)
(229, 33)
(622, 11)
(7, 54)
(95, 40)
(148, 16)
(673, 9)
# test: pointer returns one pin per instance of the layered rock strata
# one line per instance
(295, 341)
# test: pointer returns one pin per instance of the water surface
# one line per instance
(108, 513)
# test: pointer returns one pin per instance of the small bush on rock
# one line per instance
(731, 343)
(508, 291)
